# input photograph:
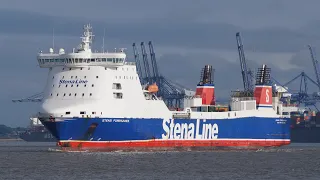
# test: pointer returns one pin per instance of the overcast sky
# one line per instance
(186, 34)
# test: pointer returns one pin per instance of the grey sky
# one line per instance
(187, 34)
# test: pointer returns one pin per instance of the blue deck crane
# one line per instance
(247, 75)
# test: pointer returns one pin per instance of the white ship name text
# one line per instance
(189, 130)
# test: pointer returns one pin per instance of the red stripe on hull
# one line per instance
(167, 144)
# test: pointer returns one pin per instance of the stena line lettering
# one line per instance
(267, 95)
(189, 130)
(76, 81)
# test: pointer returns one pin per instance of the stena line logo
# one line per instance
(76, 81)
(198, 130)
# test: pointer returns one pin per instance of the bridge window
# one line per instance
(103, 59)
(109, 59)
(93, 60)
(118, 95)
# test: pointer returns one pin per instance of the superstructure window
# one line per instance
(64, 94)
(92, 85)
(118, 95)
(51, 94)
(69, 94)
(82, 112)
(90, 94)
(82, 94)
(66, 85)
(97, 77)
(75, 94)
(70, 68)
(68, 112)
(116, 86)
(57, 94)
(52, 77)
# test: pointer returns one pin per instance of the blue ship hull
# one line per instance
(131, 133)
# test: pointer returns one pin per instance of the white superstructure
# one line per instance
(84, 83)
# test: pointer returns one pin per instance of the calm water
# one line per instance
(22, 160)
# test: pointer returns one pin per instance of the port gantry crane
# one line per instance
(302, 96)
(247, 74)
(172, 93)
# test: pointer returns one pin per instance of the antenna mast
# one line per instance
(104, 34)
(53, 38)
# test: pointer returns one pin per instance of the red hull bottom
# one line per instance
(167, 145)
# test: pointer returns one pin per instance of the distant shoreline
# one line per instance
(11, 139)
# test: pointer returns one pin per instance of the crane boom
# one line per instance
(243, 64)
(137, 59)
(146, 63)
(315, 65)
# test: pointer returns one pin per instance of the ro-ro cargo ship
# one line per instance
(94, 100)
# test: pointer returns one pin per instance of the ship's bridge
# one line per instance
(83, 59)
(83, 56)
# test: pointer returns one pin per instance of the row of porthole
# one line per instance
(92, 85)
(81, 112)
(75, 77)
(126, 77)
(75, 94)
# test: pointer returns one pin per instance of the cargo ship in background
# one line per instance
(95, 101)
(36, 132)
(305, 123)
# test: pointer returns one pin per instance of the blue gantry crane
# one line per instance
(302, 96)
(247, 74)
(172, 93)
